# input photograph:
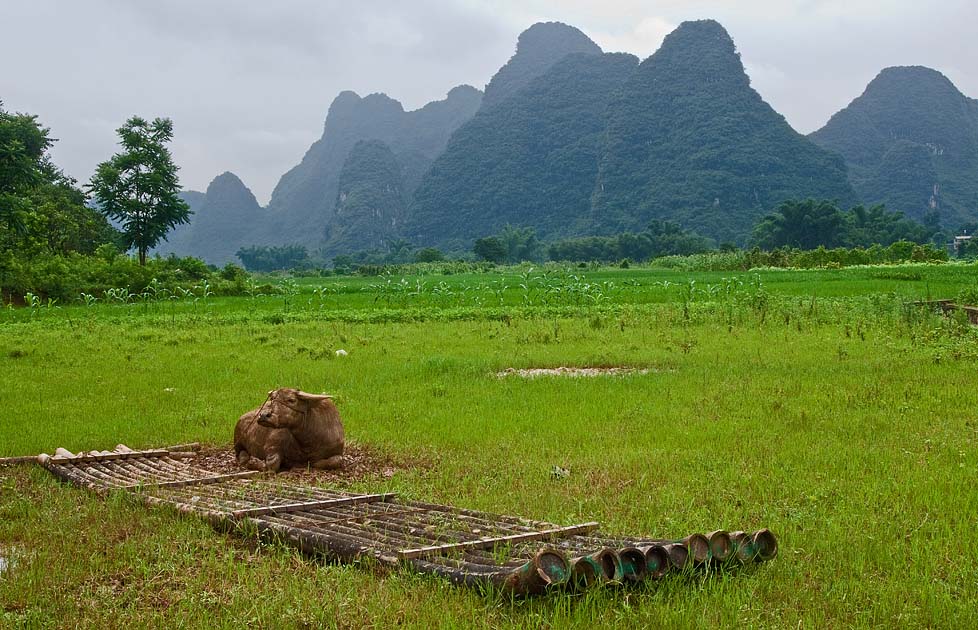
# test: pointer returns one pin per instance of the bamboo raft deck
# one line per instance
(469, 547)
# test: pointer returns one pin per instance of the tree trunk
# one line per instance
(142, 256)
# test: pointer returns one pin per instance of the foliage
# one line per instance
(801, 224)
(23, 154)
(370, 203)
(65, 278)
(793, 258)
(814, 223)
(490, 248)
(513, 245)
(911, 142)
(428, 255)
(529, 160)
(43, 214)
(660, 238)
(688, 140)
(537, 50)
(138, 187)
(273, 258)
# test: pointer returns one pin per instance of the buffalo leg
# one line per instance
(273, 462)
(330, 463)
(245, 460)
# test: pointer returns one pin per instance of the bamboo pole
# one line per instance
(16, 461)
(197, 481)
(299, 507)
(410, 554)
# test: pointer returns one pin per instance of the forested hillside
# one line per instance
(370, 205)
(531, 160)
(537, 49)
(688, 140)
(911, 142)
(302, 205)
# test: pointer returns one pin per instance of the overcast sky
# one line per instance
(247, 83)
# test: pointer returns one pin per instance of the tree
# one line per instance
(802, 224)
(265, 258)
(23, 147)
(520, 242)
(138, 187)
(428, 254)
(490, 248)
(42, 210)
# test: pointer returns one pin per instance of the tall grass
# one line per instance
(845, 424)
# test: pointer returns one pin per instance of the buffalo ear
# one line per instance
(313, 398)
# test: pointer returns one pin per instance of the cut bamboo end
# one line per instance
(766, 544)
(607, 558)
(743, 546)
(699, 547)
(721, 548)
(548, 568)
(585, 572)
(678, 556)
(632, 564)
(657, 561)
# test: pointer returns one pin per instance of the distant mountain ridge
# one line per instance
(302, 203)
(223, 218)
(573, 141)
(302, 207)
(911, 141)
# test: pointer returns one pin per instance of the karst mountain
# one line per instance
(572, 141)
(911, 142)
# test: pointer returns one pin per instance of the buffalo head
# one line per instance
(287, 408)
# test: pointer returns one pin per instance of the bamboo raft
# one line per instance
(469, 547)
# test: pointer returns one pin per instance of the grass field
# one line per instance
(816, 403)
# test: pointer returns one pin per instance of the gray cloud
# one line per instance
(248, 83)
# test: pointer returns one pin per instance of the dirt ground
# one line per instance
(572, 372)
(361, 462)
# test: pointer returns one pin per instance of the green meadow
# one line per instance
(821, 404)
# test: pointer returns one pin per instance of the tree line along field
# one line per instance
(821, 404)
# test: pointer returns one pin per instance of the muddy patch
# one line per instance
(361, 462)
(574, 372)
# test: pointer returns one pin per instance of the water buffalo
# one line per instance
(291, 428)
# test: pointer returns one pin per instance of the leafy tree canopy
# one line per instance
(264, 258)
(660, 238)
(811, 223)
(490, 248)
(138, 187)
(428, 254)
(42, 211)
(23, 155)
